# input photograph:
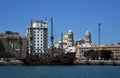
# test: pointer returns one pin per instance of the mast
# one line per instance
(52, 36)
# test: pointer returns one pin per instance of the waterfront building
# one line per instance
(114, 49)
(83, 43)
(13, 43)
(79, 44)
(37, 35)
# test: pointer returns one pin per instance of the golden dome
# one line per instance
(65, 37)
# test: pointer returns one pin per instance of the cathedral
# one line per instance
(67, 42)
(69, 45)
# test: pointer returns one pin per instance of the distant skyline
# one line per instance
(78, 15)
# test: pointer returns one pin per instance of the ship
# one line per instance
(51, 58)
(61, 59)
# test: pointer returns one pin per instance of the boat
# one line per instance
(64, 59)
(51, 58)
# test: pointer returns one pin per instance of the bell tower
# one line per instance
(88, 37)
(70, 38)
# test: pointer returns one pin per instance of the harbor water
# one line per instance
(60, 71)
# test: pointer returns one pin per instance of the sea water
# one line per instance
(60, 71)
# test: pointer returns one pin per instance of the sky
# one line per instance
(78, 15)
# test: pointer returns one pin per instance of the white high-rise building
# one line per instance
(37, 35)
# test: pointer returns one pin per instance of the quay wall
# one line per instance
(97, 62)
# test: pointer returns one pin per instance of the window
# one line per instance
(41, 25)
(37, 28)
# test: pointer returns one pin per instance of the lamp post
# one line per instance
(99, 40)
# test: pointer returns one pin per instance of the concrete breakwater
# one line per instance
(97, 62)
(10, 62)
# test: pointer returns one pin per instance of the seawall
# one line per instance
(97, 62)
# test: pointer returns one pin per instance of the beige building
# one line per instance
(114, 49)
(85, 45)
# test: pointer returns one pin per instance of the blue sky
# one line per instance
(78, 15)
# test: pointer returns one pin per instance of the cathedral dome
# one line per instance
(65, 37)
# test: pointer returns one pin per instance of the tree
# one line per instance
(91, 54)
(105, 54)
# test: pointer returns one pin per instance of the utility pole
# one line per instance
(99, 39)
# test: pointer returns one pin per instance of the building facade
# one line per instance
(13, 43)
(85, 45)
(114, 49)
(37, 35)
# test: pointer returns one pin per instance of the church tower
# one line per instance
(70, 38)
(88, 37)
